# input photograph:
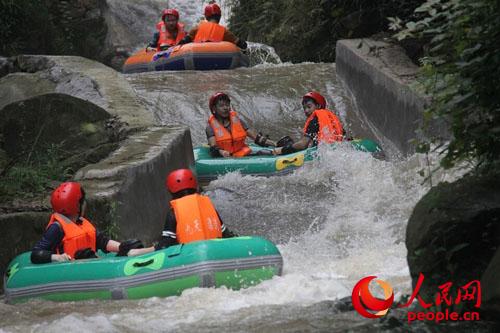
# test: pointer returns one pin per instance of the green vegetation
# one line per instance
(49, 27)
(457, 38)
(308, 30)
(112, 228)
(23, 26)
(461, 71)
(30, 175)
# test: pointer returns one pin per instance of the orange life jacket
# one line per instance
(233, 142)
(76, 236)
(196, 219)
(166, 37)
(330, 128)
(209, 32)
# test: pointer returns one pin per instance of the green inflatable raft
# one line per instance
(232, 262)
(209, 168)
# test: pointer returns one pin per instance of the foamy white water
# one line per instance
(335, 220)
(361, 212)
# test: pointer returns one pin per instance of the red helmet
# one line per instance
(181, 179)
(169, 11)
(316, 97)
(67, 198)
(215, 97)
(211, 10)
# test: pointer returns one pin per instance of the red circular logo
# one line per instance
(364, 302)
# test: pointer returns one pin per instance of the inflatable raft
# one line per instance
(199, 56)
(209, 168)
(232, 262)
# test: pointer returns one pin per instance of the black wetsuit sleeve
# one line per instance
(226, 233)
(288, 150)
(214, 152)
(244, 124)
(312, 130)
(45, 247)
(154, 41)
(168, 235)
(101, 241)
(209, 131)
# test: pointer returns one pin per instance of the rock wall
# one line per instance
(125, 189)
(78, 77)
(453, 235)
(491, 287)
(19, 233)
(127, 193)
(378, 75)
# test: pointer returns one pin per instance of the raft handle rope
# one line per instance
(145, 263)
(289, 161)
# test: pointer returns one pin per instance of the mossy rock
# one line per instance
(20, 232)
(46, 139)
(52, 119)
(454, 232)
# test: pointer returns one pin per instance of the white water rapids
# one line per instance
(335, 221)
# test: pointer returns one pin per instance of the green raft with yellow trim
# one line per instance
(236, 263)
(209, 168)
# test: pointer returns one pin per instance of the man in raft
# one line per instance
(322, 125)
(169, 31)
(192, 217)
(227, 132)
(69, 235)
(211, 31)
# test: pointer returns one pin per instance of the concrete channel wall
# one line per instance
(125, 191)
(379, 77)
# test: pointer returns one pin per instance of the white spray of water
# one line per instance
(363, 205)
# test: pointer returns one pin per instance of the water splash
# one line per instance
(262, 54)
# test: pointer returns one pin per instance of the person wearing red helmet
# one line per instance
(211, 31)
(169, 31)
(69, 235)
(227, 132)
(322, 125)
(192, 217)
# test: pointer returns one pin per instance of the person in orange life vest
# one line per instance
(169, 31)
(192, 216)
(322, 125)
(226, 131)
(211, 31)
(71, 236)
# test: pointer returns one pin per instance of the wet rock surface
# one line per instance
(89, 112)
(453, 235)
(78, 77)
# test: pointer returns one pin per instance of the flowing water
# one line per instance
(335, 220)
(132, 22)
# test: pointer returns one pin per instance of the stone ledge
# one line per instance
(126, 192)
(378, 75)
(79, 77)
(128, 187)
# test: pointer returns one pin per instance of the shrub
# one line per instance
(462, 74)
(24, 26)
(32, 174)
(309, 30)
